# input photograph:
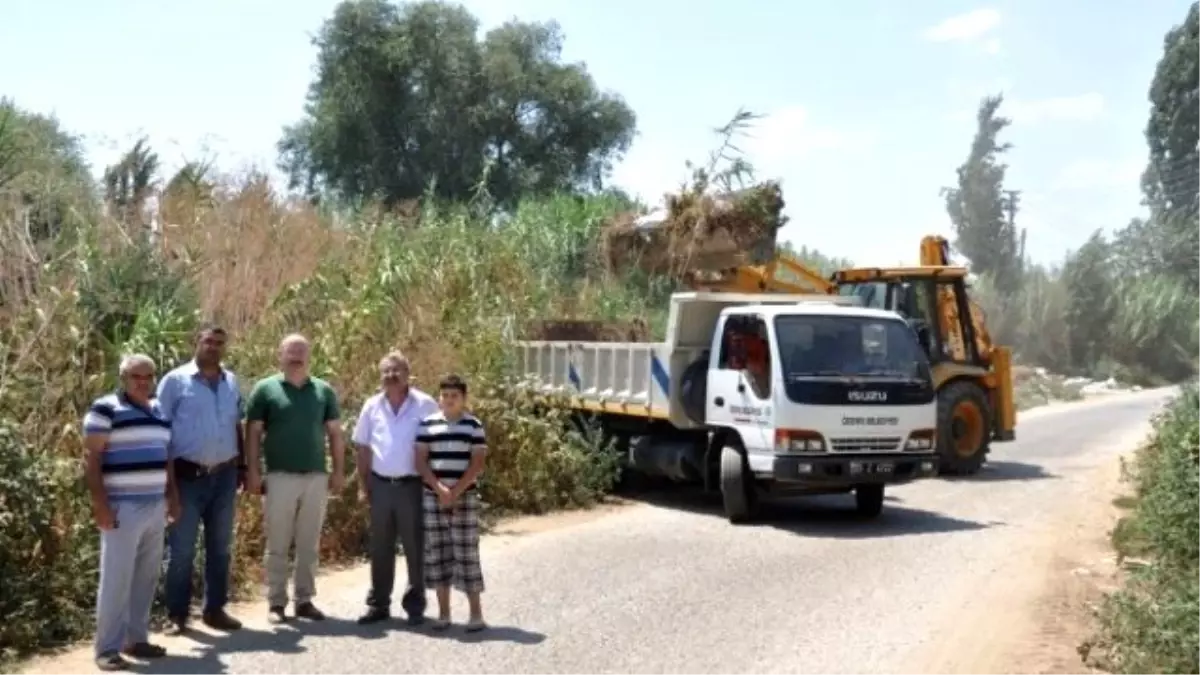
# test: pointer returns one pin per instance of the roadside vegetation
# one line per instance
(1152, 623)
(443, 236)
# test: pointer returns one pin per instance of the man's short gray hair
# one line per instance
(396, 358)
(131, 361)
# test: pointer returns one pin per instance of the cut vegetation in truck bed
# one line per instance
(583, 330)
(696, 231)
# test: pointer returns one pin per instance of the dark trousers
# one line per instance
(396, 513)
(208, 500)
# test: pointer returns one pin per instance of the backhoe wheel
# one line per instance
(868, 500)
(737, 486)
(964, 428)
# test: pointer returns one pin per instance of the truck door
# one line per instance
(739, 382)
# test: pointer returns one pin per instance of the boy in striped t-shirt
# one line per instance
(451, 445)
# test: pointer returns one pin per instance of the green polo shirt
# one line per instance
(294, 420)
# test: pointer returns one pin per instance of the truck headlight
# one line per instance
(798, 440)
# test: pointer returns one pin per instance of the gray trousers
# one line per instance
(396, 513)
(131, 558)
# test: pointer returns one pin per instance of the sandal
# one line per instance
(440, 624)
(476, 626)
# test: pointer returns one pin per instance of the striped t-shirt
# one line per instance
(450, 445)
(135, 459)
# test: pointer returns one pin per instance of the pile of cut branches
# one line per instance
(699, 230)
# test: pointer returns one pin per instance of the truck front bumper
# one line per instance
(837, 470)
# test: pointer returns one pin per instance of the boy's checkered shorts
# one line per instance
(452, 543)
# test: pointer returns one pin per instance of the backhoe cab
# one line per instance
(973, 377)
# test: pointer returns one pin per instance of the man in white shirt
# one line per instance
(385, 438)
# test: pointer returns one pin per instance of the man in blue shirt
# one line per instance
(133, 494)
(204, 403)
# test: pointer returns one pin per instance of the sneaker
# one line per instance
(110, 661)
(275, 615)
(220, 620)
(307, 610)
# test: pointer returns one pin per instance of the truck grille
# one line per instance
(875, 444)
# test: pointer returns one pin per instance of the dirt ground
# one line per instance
(1035, 622)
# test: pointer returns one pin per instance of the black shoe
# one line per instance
(416, 619)
(374, 615)
(220, 620)
(307, 610)
(111, 661)
(146, 650)
(275, 615)
(176, 625)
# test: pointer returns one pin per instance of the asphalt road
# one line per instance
(670, 586)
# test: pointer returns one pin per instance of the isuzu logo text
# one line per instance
(866, 396)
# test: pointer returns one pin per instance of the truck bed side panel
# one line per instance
(627, 378)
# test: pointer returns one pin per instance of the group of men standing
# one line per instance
(179, 456)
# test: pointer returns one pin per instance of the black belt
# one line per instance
(195, 469)
(411, 478)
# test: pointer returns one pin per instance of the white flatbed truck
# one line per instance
(844, 402)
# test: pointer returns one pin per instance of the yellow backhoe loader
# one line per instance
(973, 375)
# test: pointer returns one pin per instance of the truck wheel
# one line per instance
(964, 428)
(737, 486)
(868, 500)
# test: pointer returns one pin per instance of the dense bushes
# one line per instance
(1152, 624)
(449, 289)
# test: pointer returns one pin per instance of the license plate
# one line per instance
(872, 468)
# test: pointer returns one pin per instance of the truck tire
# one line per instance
(964, 431)
(868, 500)
(693, 390)
(737, 486)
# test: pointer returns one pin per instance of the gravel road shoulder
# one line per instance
(1033, 619)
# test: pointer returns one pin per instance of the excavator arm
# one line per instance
(783, 274)
(935, 252)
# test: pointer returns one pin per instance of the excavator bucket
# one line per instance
(698, 233)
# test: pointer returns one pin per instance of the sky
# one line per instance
(868, 105)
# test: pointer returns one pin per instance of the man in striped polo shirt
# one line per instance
(451, 445)
(133, 494)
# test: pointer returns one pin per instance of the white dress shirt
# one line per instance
(392, 436)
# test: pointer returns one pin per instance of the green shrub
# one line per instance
(1152, 624)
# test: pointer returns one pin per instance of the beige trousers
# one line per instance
(295, 511)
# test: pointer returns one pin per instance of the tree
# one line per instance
(130, 182)
(982, 211)
(1091, 302)
(407, 99)
(44, 180)
(1171, 182)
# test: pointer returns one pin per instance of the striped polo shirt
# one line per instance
(450, 445)
(135, 458)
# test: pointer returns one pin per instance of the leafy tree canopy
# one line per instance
(407, 98)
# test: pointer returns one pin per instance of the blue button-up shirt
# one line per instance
(204, 414)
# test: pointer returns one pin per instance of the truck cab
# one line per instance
(817, 397)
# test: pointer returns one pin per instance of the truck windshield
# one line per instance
(849, 346)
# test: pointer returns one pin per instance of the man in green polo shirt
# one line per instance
(297, 413)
